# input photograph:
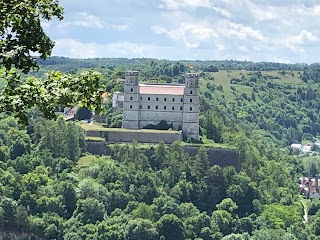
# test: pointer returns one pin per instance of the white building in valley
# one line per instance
(117, 100)
(149, 103)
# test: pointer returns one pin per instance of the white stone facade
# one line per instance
(117, 100)
(150, 103)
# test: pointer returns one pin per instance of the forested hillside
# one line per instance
(45, 194)
(51, 189)
(280, 99)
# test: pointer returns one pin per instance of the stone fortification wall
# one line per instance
(92, 133)
(99, 118)
(219, 156)
(97, 148)
(143, 137)
(216, 156)
(15, 236)
(139, 136)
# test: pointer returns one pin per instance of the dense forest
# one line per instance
(45, 193)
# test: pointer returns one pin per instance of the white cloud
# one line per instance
(159, 30)
(239, 31)
(220, 46)
(187, 29)
(125, 48)
(222, 11)
(256, 48)
(75, 49)
(313, 11)
(119, 27)
(243, 48)
(188, 33)
(265, 13)
(78, 49)
(177, 4)
(85, 20)
(45, 25)
(180, 4)
(88, 21)
(303, 38)
(298, 43)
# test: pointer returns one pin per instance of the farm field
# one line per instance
(223, 78)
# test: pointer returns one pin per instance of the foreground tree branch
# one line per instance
(22, 35)
(55, 90)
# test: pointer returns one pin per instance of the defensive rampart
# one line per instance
(217, 156)
(141, 136)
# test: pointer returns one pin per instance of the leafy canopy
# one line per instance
(21, 33)
(54, 90)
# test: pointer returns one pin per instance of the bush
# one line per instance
(162, 125)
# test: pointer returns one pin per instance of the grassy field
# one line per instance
(86, 160)
(311, 158)
(97, 127)
(94, 139)
(138, 145)
(223, 78)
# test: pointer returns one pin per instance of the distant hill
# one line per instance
(67, 64)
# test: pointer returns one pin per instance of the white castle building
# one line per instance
(149, 103)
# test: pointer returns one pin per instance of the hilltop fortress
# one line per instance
(149, 103)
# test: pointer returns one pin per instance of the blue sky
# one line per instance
(253, 30)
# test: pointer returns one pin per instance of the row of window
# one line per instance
(165, 99)
(191, 92)
(157, 114)
(164, 108)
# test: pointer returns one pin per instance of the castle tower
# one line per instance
(190, 121)
(131, 100)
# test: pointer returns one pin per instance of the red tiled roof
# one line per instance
(161, 89)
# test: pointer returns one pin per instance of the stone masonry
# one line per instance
(149, 103)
